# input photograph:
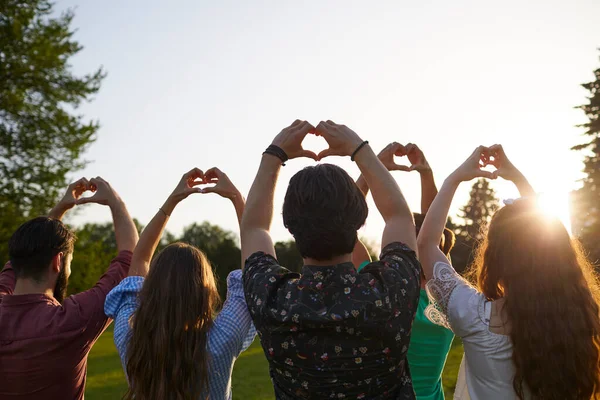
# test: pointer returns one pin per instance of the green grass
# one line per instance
(105, 378)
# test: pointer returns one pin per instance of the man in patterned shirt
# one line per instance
(331, 332)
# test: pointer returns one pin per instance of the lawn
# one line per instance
(105, 379)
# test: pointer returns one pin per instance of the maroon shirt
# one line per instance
(44, 345)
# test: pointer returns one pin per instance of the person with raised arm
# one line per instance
(45, 337)
(531, 325)
(429, 342)
(331, 332)
(171, 344)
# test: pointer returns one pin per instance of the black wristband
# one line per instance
(277, 152)
(358, 149)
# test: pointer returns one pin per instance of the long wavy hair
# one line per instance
(166, 356)
(551, 302)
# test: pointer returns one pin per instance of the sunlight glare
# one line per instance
(556, 204)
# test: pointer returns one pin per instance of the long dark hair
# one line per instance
(551, 301)
(166, 356)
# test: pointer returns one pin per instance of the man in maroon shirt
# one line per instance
(45, 338)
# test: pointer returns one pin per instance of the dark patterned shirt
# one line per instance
(334, 333)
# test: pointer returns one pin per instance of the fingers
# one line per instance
(309, 154)
(397, 167)
(487, 174)
(193, 174)
(326, 153)
(86, 200)
(323, 127)
(397, 149)
(304, 128)
(213, 173)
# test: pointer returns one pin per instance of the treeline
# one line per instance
(95, 246)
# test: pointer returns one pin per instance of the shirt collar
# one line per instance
(30, 298)
(320, 271)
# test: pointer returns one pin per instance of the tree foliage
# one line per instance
(476, 215)
(587, 199)
(42, 137)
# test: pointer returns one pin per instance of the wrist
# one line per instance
(453, 179)
(426, 173)
(169, 205)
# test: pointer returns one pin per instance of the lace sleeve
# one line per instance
(439, 289)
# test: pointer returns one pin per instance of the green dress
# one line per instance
(427, 352)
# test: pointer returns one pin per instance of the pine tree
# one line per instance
(586, 213)
(41, 136)
(476, 214)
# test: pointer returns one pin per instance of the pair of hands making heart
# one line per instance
(481, 158)
(343, 141)
(191, 180)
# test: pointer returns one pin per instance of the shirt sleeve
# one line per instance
(90, 304)
(120, 305)
(454, 302)
(232, 330)
(400, 259)
(7, 280)
(262, 277)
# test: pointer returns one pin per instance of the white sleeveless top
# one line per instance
(486, 371)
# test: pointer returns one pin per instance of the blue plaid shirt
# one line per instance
(232, 331)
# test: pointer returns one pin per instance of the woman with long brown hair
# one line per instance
(171, 344)
(531, 325)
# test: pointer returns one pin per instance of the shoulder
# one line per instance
(125, 293)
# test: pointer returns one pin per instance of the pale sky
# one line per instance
(203, 84)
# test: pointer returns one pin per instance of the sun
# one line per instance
(556, 204)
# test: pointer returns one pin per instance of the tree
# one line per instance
(95, 247)
(476, 214)
(41, 136)
(587, 199)
(219, 245)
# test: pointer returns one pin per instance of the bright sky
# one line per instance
(198, 83)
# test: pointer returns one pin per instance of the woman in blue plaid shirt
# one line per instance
(170, 342)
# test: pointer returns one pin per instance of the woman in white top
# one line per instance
(531, 325)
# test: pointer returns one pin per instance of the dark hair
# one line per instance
(448, 239)
(35, 243)
(323, 209)
(551, 300)
(167, 356)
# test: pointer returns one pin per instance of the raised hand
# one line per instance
(69, 200)
(471, 168)
(504, 167)
(104, 193)
(290, 140)
(223, 185)
(342, 140)
(187, 185)
(417, 159)
(386, 156)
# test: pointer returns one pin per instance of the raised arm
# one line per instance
(399, 223)
(142, 255)
(507, 170)
(419, 163)
(125, 230)
(435, 220)
(256, 221)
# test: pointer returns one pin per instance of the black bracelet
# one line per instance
(164, 212)
(277, 152)
(358, 149)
